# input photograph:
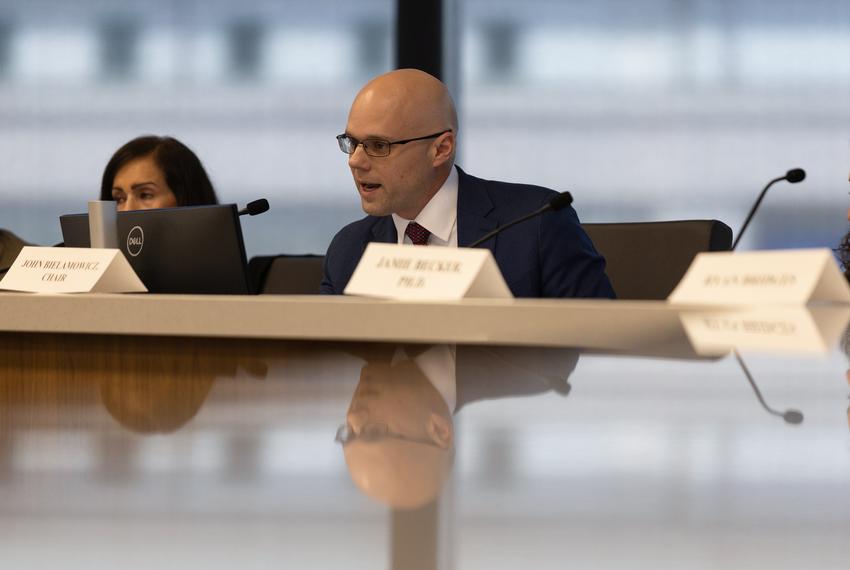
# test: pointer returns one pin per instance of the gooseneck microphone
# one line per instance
(558, 202)
(256, 207)
(793, 176)
(790, 416)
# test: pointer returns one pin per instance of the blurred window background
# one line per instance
(665, 109)
(257, 89)
(645, 110)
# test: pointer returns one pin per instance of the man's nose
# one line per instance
(356, 419)
(359, 159)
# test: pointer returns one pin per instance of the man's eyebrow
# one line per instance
(369, 136)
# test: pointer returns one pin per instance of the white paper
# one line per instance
(411, 272)
(762, 278)
(71, 270)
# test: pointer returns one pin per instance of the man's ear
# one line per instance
(440, 430)
(444, 148)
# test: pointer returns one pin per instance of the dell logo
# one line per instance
(135, 241)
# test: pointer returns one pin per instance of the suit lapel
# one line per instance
(384, 231)
(473, 208)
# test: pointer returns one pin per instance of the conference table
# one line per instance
(168, 431)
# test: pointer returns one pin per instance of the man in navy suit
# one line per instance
(400, 138)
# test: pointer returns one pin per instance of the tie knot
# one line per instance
(417, 234)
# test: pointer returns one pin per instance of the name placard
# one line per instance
(777, 328)
(411, 272)
(71, 270)
(762, 278)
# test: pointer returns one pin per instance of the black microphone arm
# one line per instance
(793, 176)
(256, 207)
(558, 202)
(790, 416)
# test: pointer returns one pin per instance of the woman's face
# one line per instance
(140, 185)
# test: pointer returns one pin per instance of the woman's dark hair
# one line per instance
(183, 171)
(843, 251)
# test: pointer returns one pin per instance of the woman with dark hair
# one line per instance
(156, 172)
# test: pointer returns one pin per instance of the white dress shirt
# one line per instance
(439, 216)
(439, 365)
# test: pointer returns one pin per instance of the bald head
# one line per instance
(413, 98)
(401, 474)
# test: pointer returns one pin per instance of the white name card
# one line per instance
(71, 270)
(777, 328)
(411, 272)
(762, 277)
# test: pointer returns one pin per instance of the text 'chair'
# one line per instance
(646, 260)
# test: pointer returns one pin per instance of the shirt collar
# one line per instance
(439, 214)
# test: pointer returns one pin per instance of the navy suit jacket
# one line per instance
(547, 256)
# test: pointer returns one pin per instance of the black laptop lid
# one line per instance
(193, 249)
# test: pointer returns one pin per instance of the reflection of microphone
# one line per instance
(793, 176)
(790, 416)
(558, 202)
(255, 207)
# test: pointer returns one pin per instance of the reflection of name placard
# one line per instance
(71, 270)
(426, 273)
(762, 277)
(794, 329)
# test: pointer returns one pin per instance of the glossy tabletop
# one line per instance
(157, 452)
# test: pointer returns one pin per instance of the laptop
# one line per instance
(192, 249)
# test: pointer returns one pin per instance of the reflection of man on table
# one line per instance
(399, 436)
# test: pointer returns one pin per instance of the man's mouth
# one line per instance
(368, 186)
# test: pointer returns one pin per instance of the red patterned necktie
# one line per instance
(417, 234)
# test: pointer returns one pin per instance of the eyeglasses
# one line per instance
(377, 147)
(374, 432)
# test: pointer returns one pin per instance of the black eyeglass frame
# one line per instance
(376, 431)
(343, 137)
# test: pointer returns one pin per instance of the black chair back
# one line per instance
(286, 274)
(646, 260)
(10, 246)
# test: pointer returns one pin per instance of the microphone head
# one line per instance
(257, 207)
(795, 175)
(793, 417)
(561, 201)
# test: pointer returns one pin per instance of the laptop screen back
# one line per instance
(193, 249)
